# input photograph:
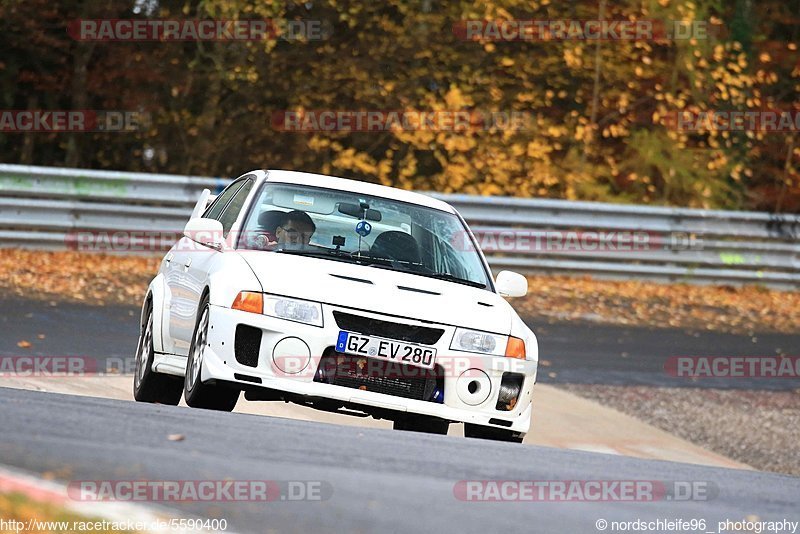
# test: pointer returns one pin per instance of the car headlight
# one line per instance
(301, 311)
(480, 342)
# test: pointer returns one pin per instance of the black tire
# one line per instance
(149, 386)
(195, 392)
(421, 423)
(494, 434)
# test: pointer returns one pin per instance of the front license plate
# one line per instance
(386, 349)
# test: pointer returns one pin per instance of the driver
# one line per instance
(295, 228)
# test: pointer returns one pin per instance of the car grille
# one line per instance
(379, 376)
(423, 335)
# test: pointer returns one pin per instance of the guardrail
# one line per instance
(41, 206)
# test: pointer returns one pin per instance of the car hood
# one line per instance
(380, 291)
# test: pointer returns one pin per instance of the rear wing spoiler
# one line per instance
(206, 198)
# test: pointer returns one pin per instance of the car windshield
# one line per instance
(357, 228)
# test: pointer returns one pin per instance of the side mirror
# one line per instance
(202, 203)
(511, 284)
(207, 232)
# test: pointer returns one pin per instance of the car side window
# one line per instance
(216, 207)
(231, 212)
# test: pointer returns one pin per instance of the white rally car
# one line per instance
(341, 295)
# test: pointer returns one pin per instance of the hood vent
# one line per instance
(351, 279)
(416, 290)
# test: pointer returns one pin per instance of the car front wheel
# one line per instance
(149, 386)
(195, 392)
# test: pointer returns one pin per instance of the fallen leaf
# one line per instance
(24, 344)
(176, 437)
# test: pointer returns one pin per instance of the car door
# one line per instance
(182, 306)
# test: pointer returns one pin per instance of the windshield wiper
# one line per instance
(327, 254)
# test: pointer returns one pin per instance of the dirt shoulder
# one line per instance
(759, 428)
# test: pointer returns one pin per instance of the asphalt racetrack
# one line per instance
(373, 480)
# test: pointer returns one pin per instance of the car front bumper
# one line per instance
(294, 374)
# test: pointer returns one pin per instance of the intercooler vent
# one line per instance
(390, 378)
(247, 345)
(375, 327)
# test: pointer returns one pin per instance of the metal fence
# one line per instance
(42, 206)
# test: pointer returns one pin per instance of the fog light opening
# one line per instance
(474, 387)
(510, 388)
